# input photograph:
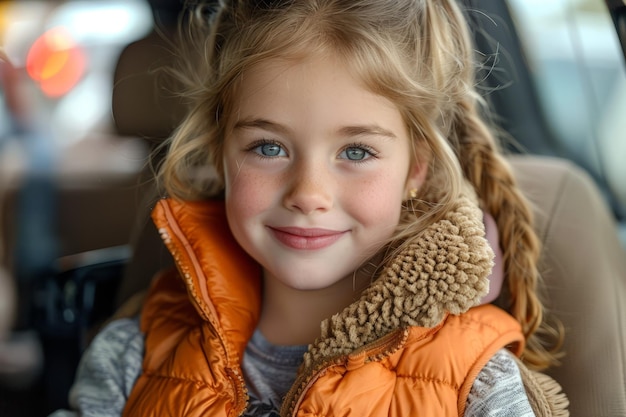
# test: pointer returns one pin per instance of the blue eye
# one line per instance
(269, 150)
(356, 153)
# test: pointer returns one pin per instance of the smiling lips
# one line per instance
(306, 239)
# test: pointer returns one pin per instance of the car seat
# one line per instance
(583, 266)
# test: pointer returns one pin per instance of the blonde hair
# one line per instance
(418, 54)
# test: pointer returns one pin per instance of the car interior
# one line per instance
(100, 249)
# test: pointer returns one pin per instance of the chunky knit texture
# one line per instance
(444, 270)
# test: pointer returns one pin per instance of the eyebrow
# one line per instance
(346, 131)
(366, 130)
(261, 124)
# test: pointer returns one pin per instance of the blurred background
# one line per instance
(82, 106)
(71, 171)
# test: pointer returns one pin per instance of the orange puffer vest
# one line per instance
(411, 344)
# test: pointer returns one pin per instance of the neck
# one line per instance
(292, 317)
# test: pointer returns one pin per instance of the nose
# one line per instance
(310, 189)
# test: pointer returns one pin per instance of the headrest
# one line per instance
(144, 101)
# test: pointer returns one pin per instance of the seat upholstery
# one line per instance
(583, 266)
(144, 101)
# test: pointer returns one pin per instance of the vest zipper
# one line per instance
(185, 271)
(375, 351)
(241, 393)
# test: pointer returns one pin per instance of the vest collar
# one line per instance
(442, 271)
(223, 282)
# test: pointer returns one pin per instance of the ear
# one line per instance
(416, 176)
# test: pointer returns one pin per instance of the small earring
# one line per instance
(413, 193)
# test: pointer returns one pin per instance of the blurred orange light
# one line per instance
(56, 62)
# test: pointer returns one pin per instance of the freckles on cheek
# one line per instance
(378, 200)
(246, 194)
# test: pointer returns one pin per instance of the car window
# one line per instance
(578, 69)
(65, 53)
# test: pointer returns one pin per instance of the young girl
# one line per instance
(333, 169)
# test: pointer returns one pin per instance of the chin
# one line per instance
(305, 281)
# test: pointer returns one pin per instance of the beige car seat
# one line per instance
(584, 271)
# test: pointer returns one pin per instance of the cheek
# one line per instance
(378, 200)
(246, 194)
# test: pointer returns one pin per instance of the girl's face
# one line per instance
(316, 169)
